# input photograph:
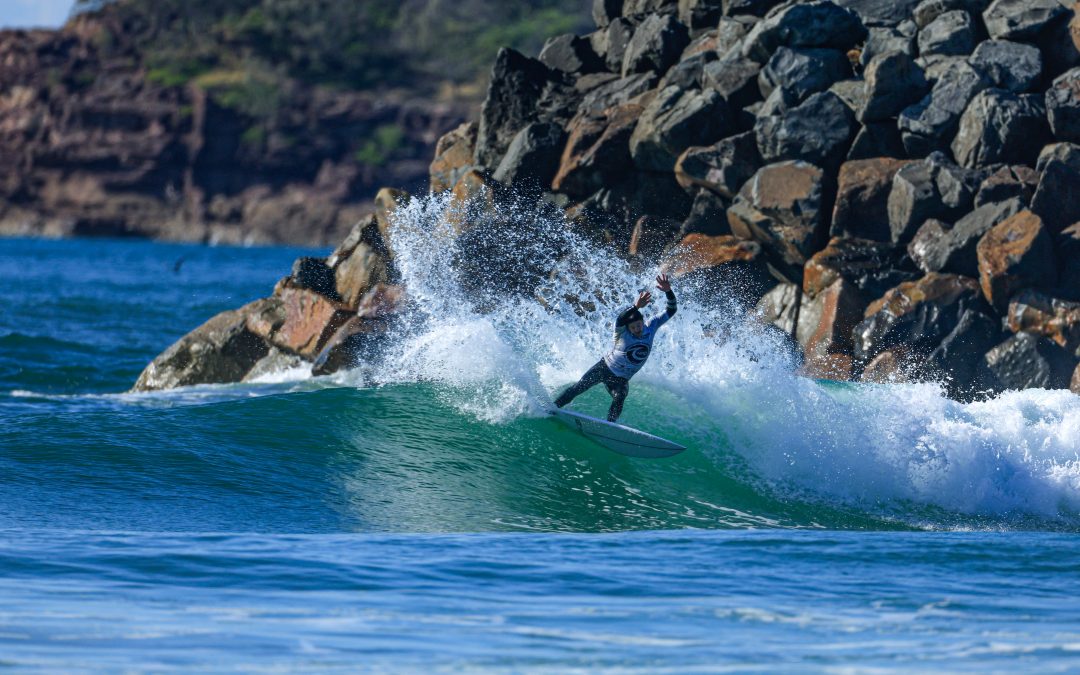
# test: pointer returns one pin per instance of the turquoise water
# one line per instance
(420, 513)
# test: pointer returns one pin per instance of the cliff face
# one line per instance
(892, 184)
(91, 145)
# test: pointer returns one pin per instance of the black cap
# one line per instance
(630, 316)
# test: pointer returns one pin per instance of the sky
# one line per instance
(33, 13)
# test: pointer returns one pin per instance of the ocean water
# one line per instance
(420, 513)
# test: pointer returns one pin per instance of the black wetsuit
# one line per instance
(622, 362)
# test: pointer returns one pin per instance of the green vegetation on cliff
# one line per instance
(242, 50)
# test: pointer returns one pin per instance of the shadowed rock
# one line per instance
(931, 188)
(813, 24)
(674, 121)
(597, 153)
(1009, 65)
(803, 71)
(533, 157)
(1057, 197)
(950, 34)
(1020, 19)
(722, 168)
(1008, 182)
(871, 266)
(931, 124)
(1001, 127)
(517, 85)
(893, 82)
(1015, 254)
(939, 248)
(1026, 361)
(1032, 311)
(571, 54)
(862, 198)
(819, 131)
(1063, 106)
(657, 43)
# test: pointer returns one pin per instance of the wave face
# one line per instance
(447, 433)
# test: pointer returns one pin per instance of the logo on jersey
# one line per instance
(637, 354)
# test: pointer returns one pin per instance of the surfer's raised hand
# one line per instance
(663, 283)
(643, 299)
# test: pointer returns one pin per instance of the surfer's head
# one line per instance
(633, 321)
(635, 327)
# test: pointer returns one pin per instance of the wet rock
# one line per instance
(689, 72)
(881, 12)
(275, 361)
(387, 201)
(1001, 127)
(310, 320)
(314, 274)
(610, 43)
(362, 337)
(656, 45)
(783, 208)
(931, 188)
(959, 361)
(674, 121)
(734, 78)
(606, 11)
(700, 13)
(871, 266)
(1015, 254)
(221, 350)
(893, 82)
(1057, 197)
(1008, 182)
(1065, 152)
(916, 315)
(803, 71)
(884, 40)
(819, 131)
(931, 124)
(812, 24)
(1067, 248)
(516, 87)
(950, 34)
(1020, 19)
(651, 235)
(825, 330)
(571, 54)
(453, 156)
(877, 139)
(1032, 311)
(1009, 65)
(708, 216)
(597, 152)
(356, 274)
(532, 159)
(937, 248)
(779, 307)
(722, 168)
(1026, 361)
(1074, 385)
(1063, 106)
(862, 198)
(725, 266)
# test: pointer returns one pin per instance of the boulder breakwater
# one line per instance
(893, 186)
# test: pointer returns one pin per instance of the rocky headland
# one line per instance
(895, 185)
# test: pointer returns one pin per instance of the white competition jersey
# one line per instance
(630, 353)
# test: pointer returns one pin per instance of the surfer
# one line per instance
(633, 342)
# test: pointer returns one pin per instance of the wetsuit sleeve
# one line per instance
(622, 321)
(672, 307)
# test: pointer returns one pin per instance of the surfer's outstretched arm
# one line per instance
(664, 284)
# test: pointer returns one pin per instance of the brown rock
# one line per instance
(357, 340)
(474, 190)
(862, 198)
(1033, 312)
(888, 367)
(597, 151)
(1013, 255)
(651, 235)
(381, 301)
(310, 320)
(387, 201)
(453, 156)
(825, 327)
(221, 350)
(782, 207)
(871, 265)
(725, 265)
(722, 168)
(356, 274)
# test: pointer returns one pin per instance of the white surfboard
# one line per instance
(617, 437)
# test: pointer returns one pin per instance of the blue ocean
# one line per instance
(421, 513)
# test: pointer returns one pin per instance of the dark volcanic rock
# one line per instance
(735, 78)
(813, 24)
(959, 361)
(674, 121)
(749, 7)
(916, 315)
(1031, 311)
(724, 266)
(606, 11)
(617, 92)
(571, 54)
(689, 72)
(708, 216)
(1020, 19)
(928, 10)
(722, 168)
(1027, 361)
(877, 139)
(1009, 65)
(514, 93)
(884, 40)
(938, 249)
(1067, 247)
(930, 124)
(803, 71)
(824, 330)
(533, 157)
(700, 13)
(951, 34)
(1015, 254)
(314, 274)
(783, 208)
(1063, 106)
(819, 131)
(880, 12)
(893, 82)
(871, 266)
(931, 188)
(597, 152)
(610, 43)
(1057, 197)
(1008, 182)
(862, 198)
(1001, 127)
(453, 157)
(657, 43)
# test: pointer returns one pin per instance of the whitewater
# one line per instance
(420, 512)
